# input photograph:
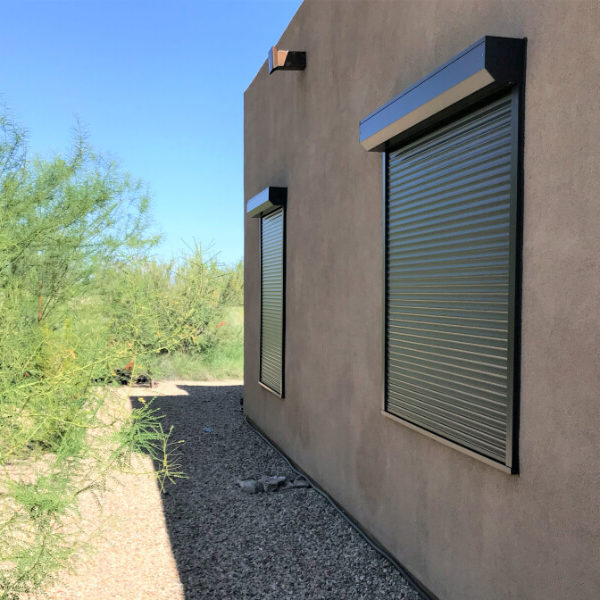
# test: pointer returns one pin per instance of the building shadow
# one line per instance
(228, 544)
(205, 417)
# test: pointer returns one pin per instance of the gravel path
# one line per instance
(226, 544)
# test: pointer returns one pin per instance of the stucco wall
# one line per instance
(466, 530)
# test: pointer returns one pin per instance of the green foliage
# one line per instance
(72, 240)
(223, 362)
(178, 314)
(177, 307)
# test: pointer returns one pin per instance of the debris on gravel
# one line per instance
(263, 484)
(229, 541)
(271, 484)
(301, 482)
(249, 486)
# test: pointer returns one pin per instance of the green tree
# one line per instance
(63, 223)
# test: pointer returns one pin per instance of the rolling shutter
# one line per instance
(272, 305)
(450, 255)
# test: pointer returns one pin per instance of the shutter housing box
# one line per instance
(490, 65)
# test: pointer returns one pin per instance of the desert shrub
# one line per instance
(64, 224)
(182, 309)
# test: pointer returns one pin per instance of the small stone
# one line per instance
(249, 486)
(143, 379)
(207, 429)
(271, 484)
(301, 482)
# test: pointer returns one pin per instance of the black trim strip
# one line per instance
(490, 64)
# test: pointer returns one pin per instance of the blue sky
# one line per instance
(158, 85)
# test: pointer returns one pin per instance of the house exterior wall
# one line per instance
(466, 530)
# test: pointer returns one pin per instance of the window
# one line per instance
(269, 207)
(272, 300)
(450, 216)
(452, 194)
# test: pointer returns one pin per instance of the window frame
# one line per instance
(281, 393)
(511, 464)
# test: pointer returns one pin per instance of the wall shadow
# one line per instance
(208, 418)
(228, 544)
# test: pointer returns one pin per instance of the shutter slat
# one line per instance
(448, 260)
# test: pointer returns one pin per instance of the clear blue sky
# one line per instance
(158, 85)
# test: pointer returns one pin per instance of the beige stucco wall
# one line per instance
(466, 530)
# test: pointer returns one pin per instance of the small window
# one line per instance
(272, 311)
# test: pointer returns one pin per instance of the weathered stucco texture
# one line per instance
(466, 530)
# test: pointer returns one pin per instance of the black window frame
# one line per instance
(263, 204)
(279, 393)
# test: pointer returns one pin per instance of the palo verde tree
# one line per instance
(62, 222)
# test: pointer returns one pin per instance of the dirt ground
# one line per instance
(204, 538)
(132, 558)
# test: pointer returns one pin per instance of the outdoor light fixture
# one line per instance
(286, 60)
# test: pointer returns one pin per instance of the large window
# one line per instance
(452, 155)
(272, 231)
(451, 253)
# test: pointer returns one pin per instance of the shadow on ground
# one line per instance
(227, 544)
(192, 506)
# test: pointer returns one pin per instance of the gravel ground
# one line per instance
(223, 543)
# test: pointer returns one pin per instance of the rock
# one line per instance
(143, 379)
(266, 483)
(123, 376)
(271, 484)
(249, 486)
(301, 482)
